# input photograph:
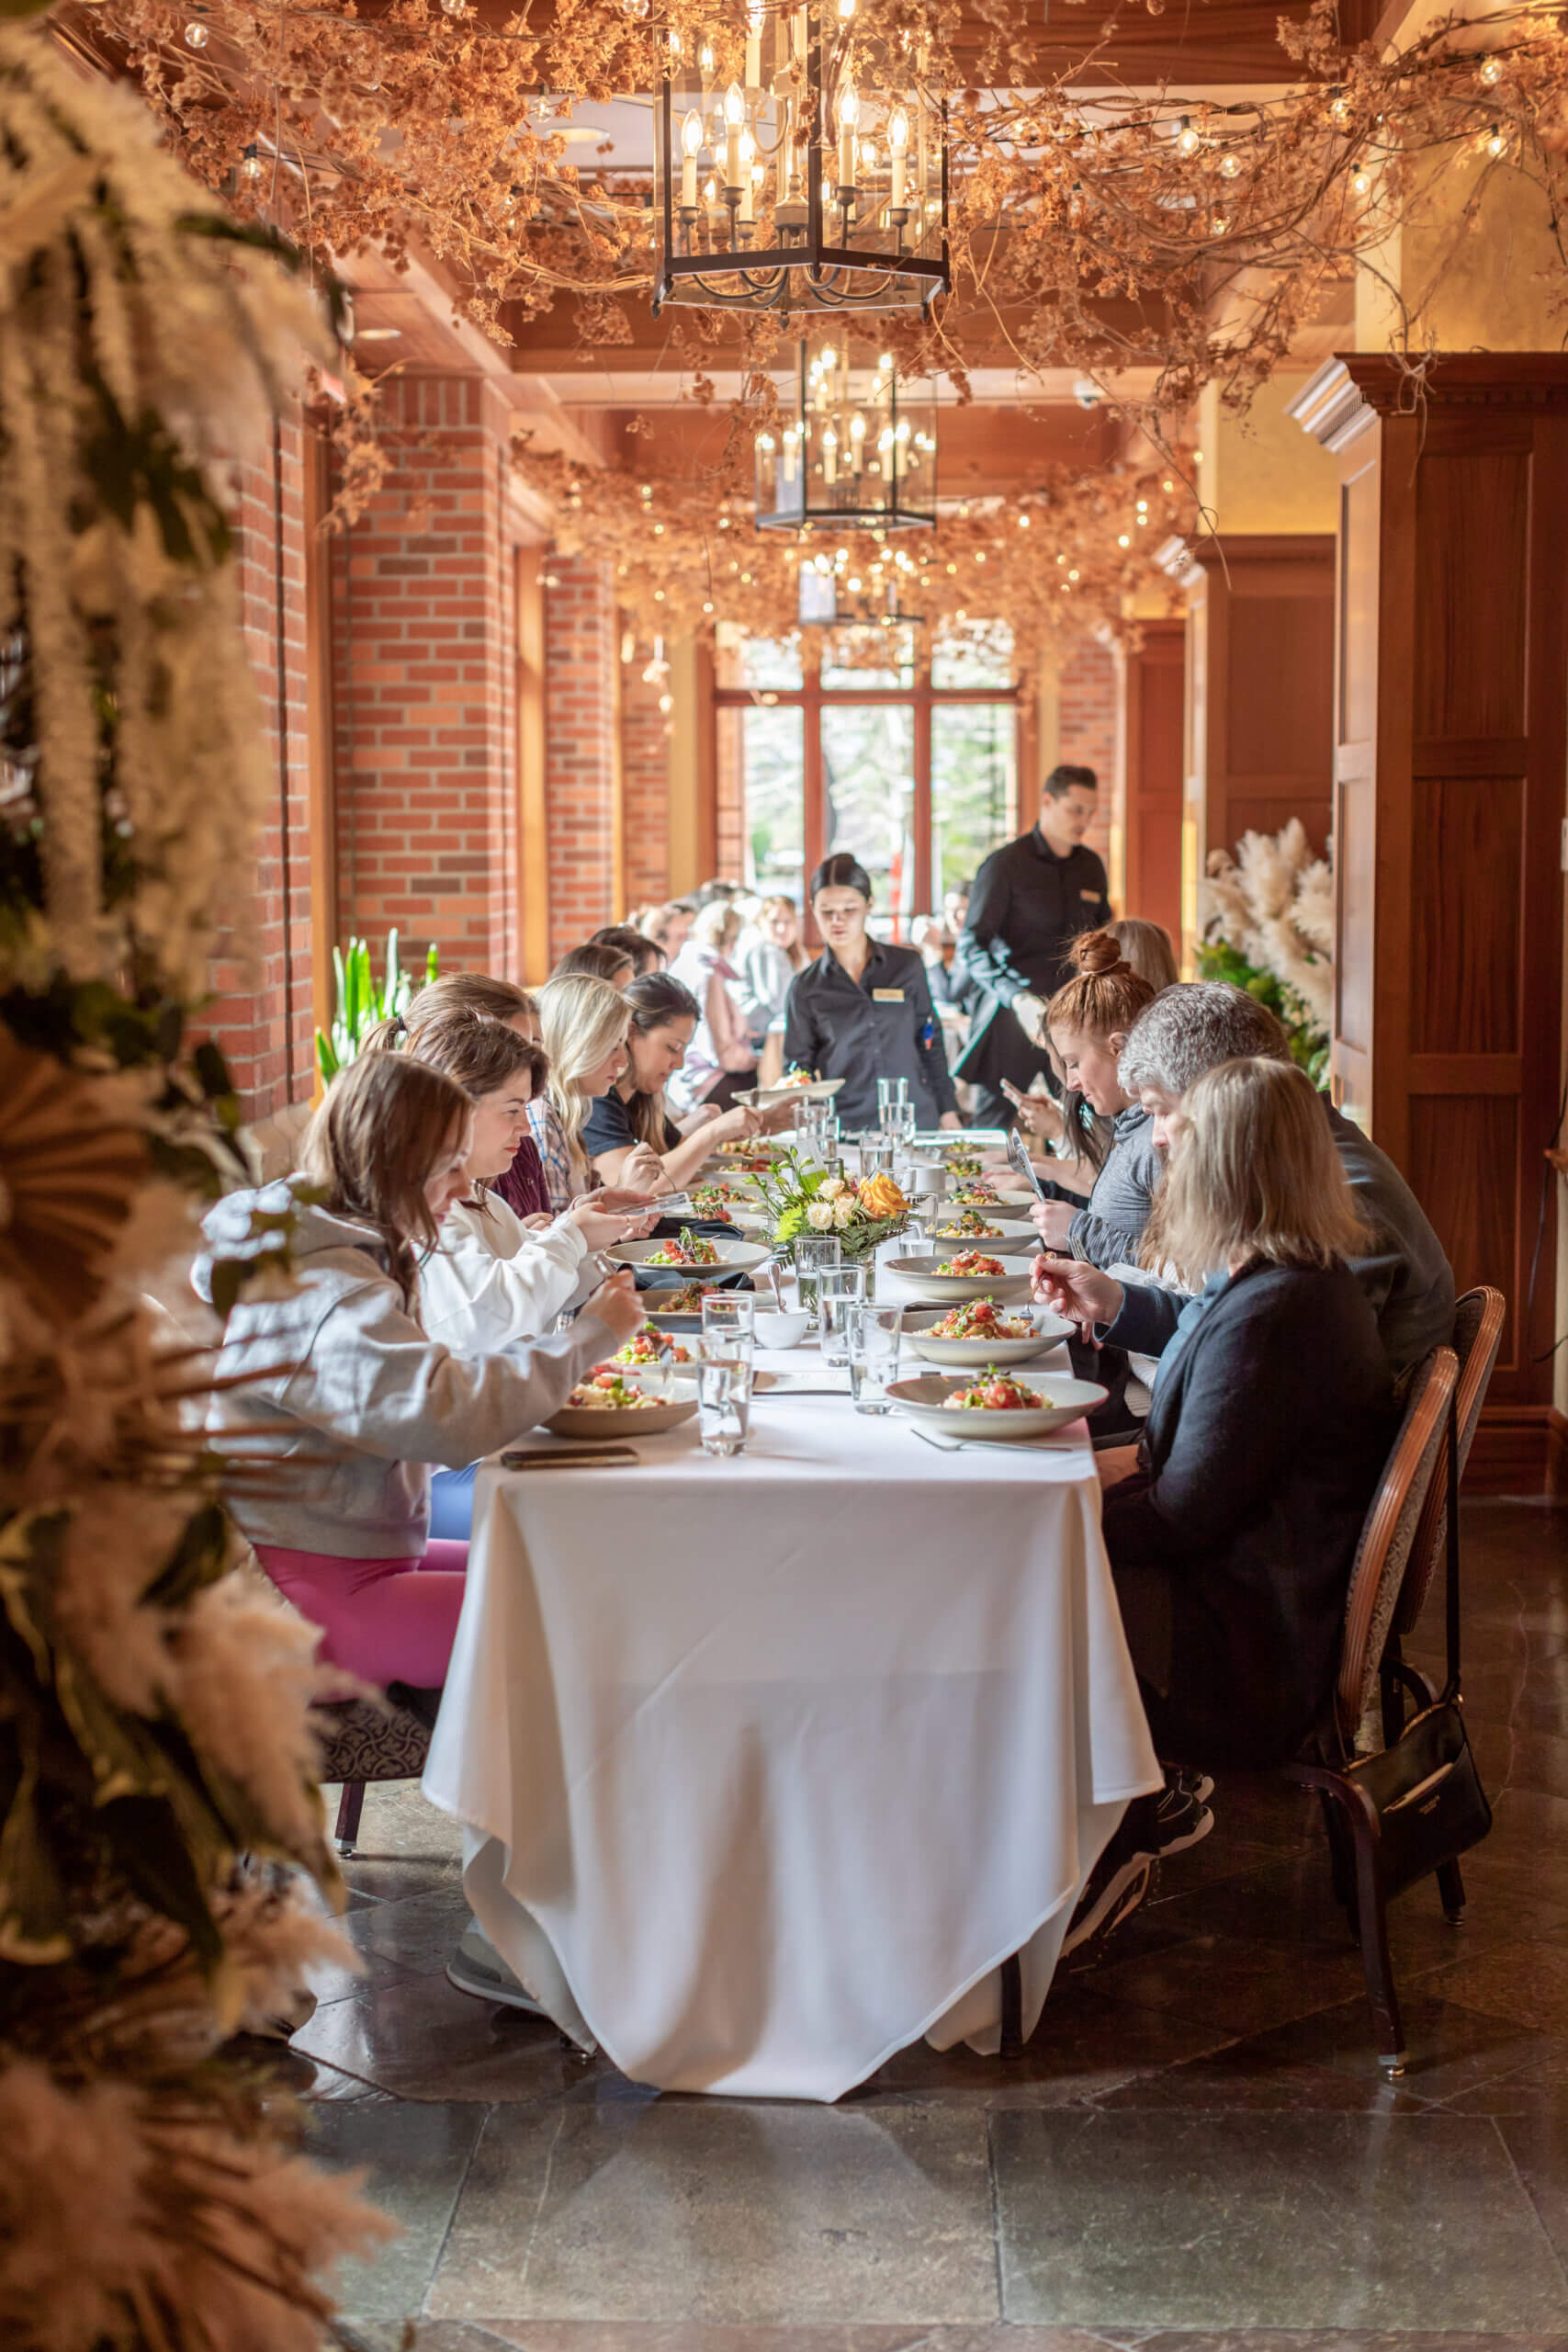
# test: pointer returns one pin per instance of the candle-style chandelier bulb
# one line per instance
(828, 148)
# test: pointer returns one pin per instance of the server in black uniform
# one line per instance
(1028, 902)
(863, 1011)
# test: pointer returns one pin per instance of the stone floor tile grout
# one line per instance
(452, 2216)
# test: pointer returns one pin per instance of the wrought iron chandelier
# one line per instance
(801, 166)
(858, 451)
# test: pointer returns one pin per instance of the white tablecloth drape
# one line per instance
(765, 1765)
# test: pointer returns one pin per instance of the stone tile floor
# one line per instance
(1195, 2155)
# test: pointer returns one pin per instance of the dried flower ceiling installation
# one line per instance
(1032, 205)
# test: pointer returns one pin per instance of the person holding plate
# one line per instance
(862, 1009)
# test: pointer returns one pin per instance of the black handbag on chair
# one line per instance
(1424, 1787)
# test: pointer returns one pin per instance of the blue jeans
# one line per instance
(452, 1503)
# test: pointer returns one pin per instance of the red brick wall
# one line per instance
(423, 631)
(1089, 710)
(262, 1016)
(581, 754)
(645, 770)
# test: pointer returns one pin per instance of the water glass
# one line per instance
(814, 1252)
(890, 1092)
(731, 1315)
(839, 1289)
(874, 1334)
(875, 1153)
(808, 1118)
(724, 1395)
(898, 1121)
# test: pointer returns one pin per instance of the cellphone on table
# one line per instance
(569, 1458)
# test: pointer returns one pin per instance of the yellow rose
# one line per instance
(880, 1197)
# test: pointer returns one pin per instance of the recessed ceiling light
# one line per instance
(378, 334)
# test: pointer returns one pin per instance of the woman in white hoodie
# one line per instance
(490, 1282)
(341, 1400)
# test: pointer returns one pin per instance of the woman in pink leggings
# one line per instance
(333, 1402)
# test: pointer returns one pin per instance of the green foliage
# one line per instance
(1218, 960)
(360, 1004)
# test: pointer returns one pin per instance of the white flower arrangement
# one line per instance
(1269, 928)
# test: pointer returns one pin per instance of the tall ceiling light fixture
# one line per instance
(856, 451)
(801, 166)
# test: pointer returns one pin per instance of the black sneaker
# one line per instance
(1150, 1829)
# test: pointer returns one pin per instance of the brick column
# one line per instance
(645, 769)
(1088, 720)
(582, 762)
(261, 976)
(423, 638)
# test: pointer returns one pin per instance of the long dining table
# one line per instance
(765, 1765)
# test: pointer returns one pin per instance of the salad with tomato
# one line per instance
(996, 1392)
(712, 1201)
(971, 1225)
(689, 1249)
(648, 1346)
(607, 1391)
(980, 1319)
(976, 1195)
(972, 1263)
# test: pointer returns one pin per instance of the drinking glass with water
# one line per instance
(838, 1289)
(813, 1252)
(724, 1394)
(874, 1335)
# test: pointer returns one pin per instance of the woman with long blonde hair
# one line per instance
(584, 1022)
(1233, 1536)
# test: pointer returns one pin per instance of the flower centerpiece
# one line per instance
(809, 1200)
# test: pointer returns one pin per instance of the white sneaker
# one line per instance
(478, 1968)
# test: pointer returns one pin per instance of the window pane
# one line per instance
(868, 784)
(974, 768)
(755, 662)
(974, 653)
(869, 657)
(761, 773)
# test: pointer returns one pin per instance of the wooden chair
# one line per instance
(1382, 1558)
(1478, 1331)
(363, 1741)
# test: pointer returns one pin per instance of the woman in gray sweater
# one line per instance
(1089, 1020)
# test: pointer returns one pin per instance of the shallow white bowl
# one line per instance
(1048, 1331)
(737, 1257)
(584, 1420)
(786, 1330)
(923, 1400)
(920, 1275)
(1008, 1241)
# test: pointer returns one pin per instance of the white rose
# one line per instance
(844, 1211)
(832, 1188)
(820, 1216)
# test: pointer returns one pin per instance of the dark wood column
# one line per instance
(1152, 738)
(1259, 690)
(1452, 745)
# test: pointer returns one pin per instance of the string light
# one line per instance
(1489, 72)
(1187, 141)
(251, 164)
(196, 35)
(1230, 167)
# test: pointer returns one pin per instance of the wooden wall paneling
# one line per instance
(1260, 683)
(1152, 750)
(1451, 711)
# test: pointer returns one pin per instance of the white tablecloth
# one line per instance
(765, 1765)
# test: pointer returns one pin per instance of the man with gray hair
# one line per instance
(1193, 1028)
